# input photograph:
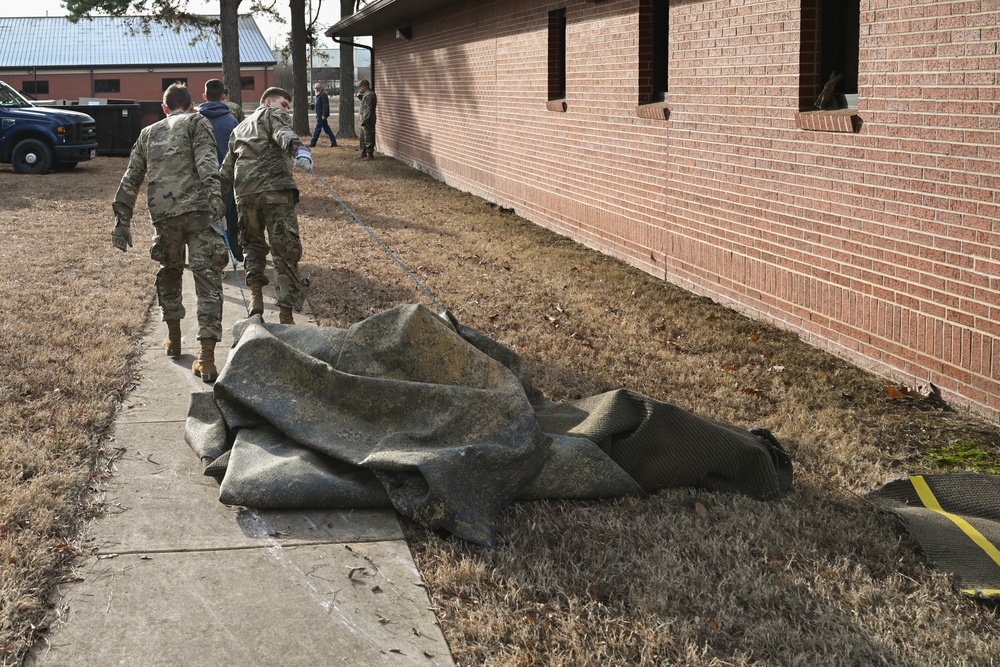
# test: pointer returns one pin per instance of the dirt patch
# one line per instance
(14, 203)
(684, 577)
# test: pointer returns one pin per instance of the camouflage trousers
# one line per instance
(367, 139)
(273, 213)
(200, 235)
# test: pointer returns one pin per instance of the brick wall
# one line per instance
(141, 85)
(465, 99)
(879, 240)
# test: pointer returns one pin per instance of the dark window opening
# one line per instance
(169, 82)
(557, 54)
(35, 87)
(107, 85)
(247, 83)
(654, 33)
(830, 39)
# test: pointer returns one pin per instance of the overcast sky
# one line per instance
(274, 33)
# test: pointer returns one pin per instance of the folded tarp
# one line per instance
(441, 422)
(955, 517)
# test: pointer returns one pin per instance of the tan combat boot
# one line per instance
(256, 300)
(172, 343)
(285, 315)
(204, 367)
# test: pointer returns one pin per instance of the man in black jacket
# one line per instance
(322, 106)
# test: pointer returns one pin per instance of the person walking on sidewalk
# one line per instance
(177, 158)
(259, 166)
(223, 124)
(368, 103)
(322, 106)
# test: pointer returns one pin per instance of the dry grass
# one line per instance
(816, 578)
(72, 313)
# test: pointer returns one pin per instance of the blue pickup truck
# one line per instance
(35, 140)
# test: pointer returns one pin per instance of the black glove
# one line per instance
(218, 207)
(121, 237)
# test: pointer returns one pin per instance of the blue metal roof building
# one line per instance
(105, 41)
(123, 57)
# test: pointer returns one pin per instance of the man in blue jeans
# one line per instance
(322, 106)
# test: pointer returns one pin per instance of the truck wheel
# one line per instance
(31, 156)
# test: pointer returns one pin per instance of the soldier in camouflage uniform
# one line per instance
(235, 109)
(367, 118)
(177, 158)
(259, 166)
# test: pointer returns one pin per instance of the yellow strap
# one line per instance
(931, 503)
(985, 592)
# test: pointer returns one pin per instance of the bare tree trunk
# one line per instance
(300, 95)
(229, 31)
(346, 129)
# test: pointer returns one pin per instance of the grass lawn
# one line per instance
(683, 577)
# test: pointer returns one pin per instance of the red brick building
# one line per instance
(684, 138)
(121, 58)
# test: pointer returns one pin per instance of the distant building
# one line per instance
(326, 67)
(830, 166)
(119, 58)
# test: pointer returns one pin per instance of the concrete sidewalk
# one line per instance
(174, 577)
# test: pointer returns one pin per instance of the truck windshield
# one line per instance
(10, 98)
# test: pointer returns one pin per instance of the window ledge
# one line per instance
(556, 105)
(654, 110)
(830, 120)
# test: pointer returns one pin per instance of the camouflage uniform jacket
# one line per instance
(236, 110)
(368, 104)
(179, 157)
(259, 158)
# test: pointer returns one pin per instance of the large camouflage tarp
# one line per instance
(411, 410)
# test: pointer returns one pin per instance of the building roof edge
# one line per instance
(383, 15)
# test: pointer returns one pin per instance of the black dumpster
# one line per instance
(151, 112)
(118, 125)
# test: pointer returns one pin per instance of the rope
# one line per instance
(379, 241)
(232, 258)
(840, 487)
